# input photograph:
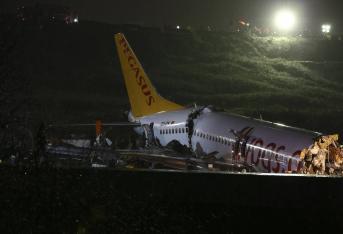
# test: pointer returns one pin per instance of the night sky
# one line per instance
(216, 13)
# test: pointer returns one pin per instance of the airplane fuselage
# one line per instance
(267, 146)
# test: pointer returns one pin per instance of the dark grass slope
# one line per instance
(109, 201)
(76, 74)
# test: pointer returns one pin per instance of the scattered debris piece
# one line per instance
(324, 157)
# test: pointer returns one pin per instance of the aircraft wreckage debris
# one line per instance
(324, 157)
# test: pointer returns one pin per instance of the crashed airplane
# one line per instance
(207, 133)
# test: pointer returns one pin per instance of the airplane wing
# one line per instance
(98, 125)
(174, 161)
(147, 159)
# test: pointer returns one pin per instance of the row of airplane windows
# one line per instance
(209, 137)
(173, 131)
(206, 136)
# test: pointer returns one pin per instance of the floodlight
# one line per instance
(285, 20)
(326, 28)
(178, 27)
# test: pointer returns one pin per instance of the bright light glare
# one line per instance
(285, 20)
(326, 28)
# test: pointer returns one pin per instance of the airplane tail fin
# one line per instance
(143, 97)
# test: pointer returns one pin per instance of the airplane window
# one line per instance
(173, 131)
(169, 131)
(160, 132)
(179, 130)
(183, 130)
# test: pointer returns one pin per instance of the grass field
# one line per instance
(76, 74)
(51, 200)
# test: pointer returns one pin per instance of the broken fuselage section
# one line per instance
(267, 147)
